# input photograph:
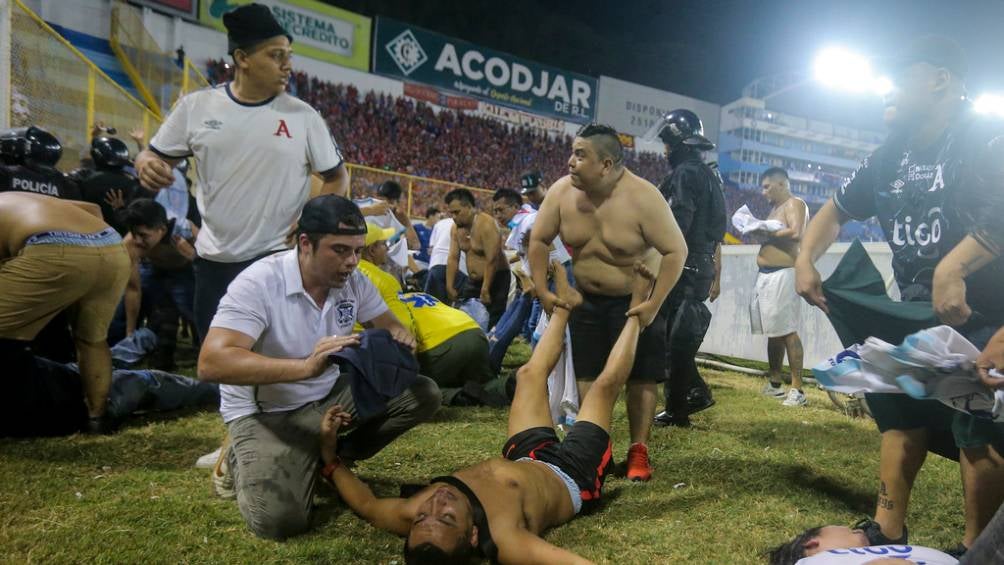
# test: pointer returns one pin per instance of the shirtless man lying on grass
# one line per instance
(497, 509)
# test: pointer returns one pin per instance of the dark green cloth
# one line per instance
(860, 307)
(460, 367)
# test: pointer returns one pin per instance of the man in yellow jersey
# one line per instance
(451, 348)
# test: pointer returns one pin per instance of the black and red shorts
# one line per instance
(584, 455)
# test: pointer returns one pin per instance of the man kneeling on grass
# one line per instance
(540, 482)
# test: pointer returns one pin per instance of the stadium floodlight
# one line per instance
(992, 104)
(839, 68)
(882, 86)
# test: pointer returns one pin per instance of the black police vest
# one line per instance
(694, 181)
(50, 182)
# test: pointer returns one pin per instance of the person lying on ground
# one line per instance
(498, 509)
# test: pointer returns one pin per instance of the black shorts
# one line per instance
(584, 455)
(595, 326)
(499, 291)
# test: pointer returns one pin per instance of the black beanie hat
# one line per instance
(249, 25)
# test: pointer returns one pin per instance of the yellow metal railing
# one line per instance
(55, 86)
(154, 72)
(420, 192)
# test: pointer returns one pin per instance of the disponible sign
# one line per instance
(633, 108)
(418, 55)
(319, 31)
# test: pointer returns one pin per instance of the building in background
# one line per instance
(819, 156)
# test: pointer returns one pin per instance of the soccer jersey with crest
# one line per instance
(928, 200)
(253, 162)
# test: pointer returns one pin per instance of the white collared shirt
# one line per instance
(268, 303)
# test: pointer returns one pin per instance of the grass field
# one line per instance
(749, 474)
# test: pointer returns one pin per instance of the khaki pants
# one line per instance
(275, 456)
(43, 280)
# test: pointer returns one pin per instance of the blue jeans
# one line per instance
(531, 322)
(168, 291)
(435, 283)
(151, 390)
(508, 326)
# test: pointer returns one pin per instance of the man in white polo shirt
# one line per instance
(255, 147)
(269, 347)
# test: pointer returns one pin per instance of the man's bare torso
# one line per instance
(606, 236)
(23, 215)
(470, 241)
(781, 253)
(524, 494)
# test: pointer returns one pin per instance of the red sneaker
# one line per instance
(638, 467)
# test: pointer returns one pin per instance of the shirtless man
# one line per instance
(611, 218)
(476, 234)
(498, 509)
(776, 308)
(59, 255)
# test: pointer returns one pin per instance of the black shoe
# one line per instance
(957, 551)
(101, 425)
(697, 403)
(874, 533)
(666, 418)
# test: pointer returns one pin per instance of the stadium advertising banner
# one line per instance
(519, 118)
(633, 108)
(439, 98)
(411, 53)
(183, 8)
(319, 31)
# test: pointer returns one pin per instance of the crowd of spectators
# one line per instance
(403, 135)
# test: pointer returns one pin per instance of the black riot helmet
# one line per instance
(30, 146)
(109, 152)
(680, 126)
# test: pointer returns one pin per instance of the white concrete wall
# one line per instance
(730, 333)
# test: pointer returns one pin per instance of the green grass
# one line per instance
(749, 474)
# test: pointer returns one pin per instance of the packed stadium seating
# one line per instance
(405, 135)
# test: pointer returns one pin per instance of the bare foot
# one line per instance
(565, 291)
(643, 284)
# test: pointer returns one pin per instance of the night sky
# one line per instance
(709, 49)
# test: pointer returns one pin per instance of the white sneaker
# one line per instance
(795, 398)
(208, 461)
(773, 391)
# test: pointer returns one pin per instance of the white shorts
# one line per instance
(776, 307)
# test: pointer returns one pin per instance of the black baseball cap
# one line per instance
(936, 50)
(530, 182)
(249, 25)
(332, 214)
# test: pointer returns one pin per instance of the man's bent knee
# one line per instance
(272, 512)
(427, 396)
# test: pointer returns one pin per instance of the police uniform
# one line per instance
(694, 193)
(97, 184)
(40, 180)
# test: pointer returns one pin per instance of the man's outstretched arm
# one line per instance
(391, 514)
(520, 546)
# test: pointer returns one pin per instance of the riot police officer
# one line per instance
(109, 185)
(29, 156)
(694, 192)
